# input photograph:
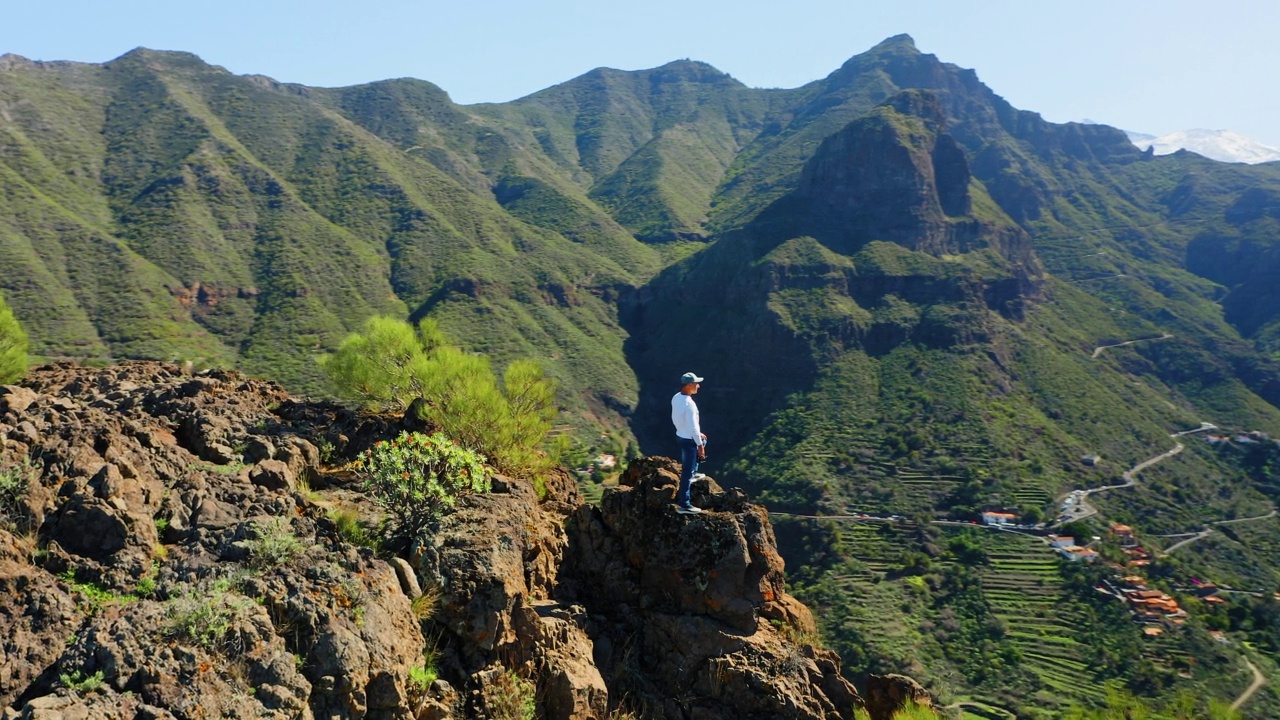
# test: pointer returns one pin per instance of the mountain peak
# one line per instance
(171, 58)
(896, 51)
(692, 71)
(9, 61)
(899, 42)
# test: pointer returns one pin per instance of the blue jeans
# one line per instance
(688, 466)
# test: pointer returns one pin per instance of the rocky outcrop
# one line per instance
(630, 602)
(886, 694)
(898, 175)
(689, 613)
(171, 555)
(895, 175)
(168, 565)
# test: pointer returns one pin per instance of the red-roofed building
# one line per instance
(991, 517)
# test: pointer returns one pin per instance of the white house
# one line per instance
(990, 517)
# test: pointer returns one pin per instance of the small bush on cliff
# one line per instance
(81, 684)
(416, 476)
(346, 522)
(274, 545)
(207, 614)
(14, 481)
(13, 346)
(392, 364)
(510, 697)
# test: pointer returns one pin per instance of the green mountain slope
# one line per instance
(234, 217)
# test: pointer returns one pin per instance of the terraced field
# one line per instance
(872, 544)
(925, 490)
(591, 492)
(1031, 496)
(1023, 586)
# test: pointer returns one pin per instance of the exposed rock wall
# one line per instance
(690, 615)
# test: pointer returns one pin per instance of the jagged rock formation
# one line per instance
(692, 616)
(150, 496)
(166, 558)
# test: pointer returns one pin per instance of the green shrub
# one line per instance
(416, 476)
(81, 684)
(13, 346)
(383, 368)
(347, 522)
(391, 364)
(510, 697)
(94, 596)
(206, 614)
(425, 605)
(14, 481)
(422, 677)
(274, 545)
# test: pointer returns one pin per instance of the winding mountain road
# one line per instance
(1084, 509)
(1207, 531)
(1098, 350)
(1197, 536)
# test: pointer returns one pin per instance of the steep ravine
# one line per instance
(171, 554)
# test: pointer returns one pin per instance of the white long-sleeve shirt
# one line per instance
(684, 414)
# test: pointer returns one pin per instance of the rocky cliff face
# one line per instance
(897, 174)
(168, 551)
(894, 175)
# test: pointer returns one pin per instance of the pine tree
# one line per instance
(392, 364)
(13, 346)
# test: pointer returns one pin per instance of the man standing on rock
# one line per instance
(693, 444)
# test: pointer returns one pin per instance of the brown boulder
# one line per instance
(885, 695)
(16, 398)
(273, 475)
(90, 527)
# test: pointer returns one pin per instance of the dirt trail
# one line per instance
(1258, 681)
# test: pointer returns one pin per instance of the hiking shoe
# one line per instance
(697, 476)
(688, 510)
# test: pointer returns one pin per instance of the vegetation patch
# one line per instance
(274, 544)
(415, 477)
(393, 365)
(207, 614)
(510, 697)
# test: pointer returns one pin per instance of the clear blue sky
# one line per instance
(1141, 65)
